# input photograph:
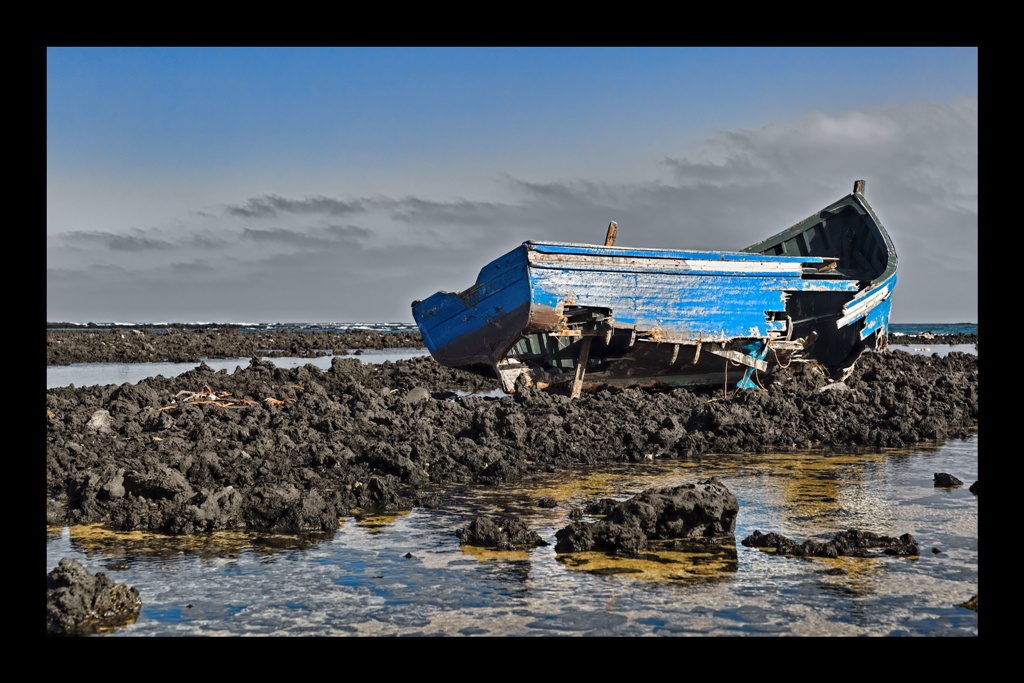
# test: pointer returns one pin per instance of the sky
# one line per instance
(276, 185)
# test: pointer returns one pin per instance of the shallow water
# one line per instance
(407, 575)
(91, 374)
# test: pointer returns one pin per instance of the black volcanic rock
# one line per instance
(80, 604)
(944, 480)
(291, 450)
(851, 542)
(180, 345)
(504, 532)
(702, 510)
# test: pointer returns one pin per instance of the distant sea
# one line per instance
(895, 329)
(901, 329)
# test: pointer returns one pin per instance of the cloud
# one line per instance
(277, 256)
(461, 212)
(205, 241)
(330, 235)
(924, 147)
(272, 206)
(136, 241)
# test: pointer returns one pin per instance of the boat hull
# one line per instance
(550, 313)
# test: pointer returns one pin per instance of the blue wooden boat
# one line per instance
(576, 316)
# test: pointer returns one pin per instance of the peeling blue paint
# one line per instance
(818, 291)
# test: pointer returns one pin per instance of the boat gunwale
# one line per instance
(653, 253)
(859, 203)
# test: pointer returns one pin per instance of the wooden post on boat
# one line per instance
(609, 238)
(581, 366)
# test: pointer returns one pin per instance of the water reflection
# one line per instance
(850, 577)
(406, 573)
(661, 565)
(375, 523)
(130, 546)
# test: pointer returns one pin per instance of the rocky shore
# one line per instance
(185, 345)
(930, 339)
(268, 450)
(292, 450)
(178, 344)
(80, 604)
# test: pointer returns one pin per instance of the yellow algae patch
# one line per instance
(481, 554)
(377, 522)
(617, 484)
(657, 565)
(858, 576)
(99, 539)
